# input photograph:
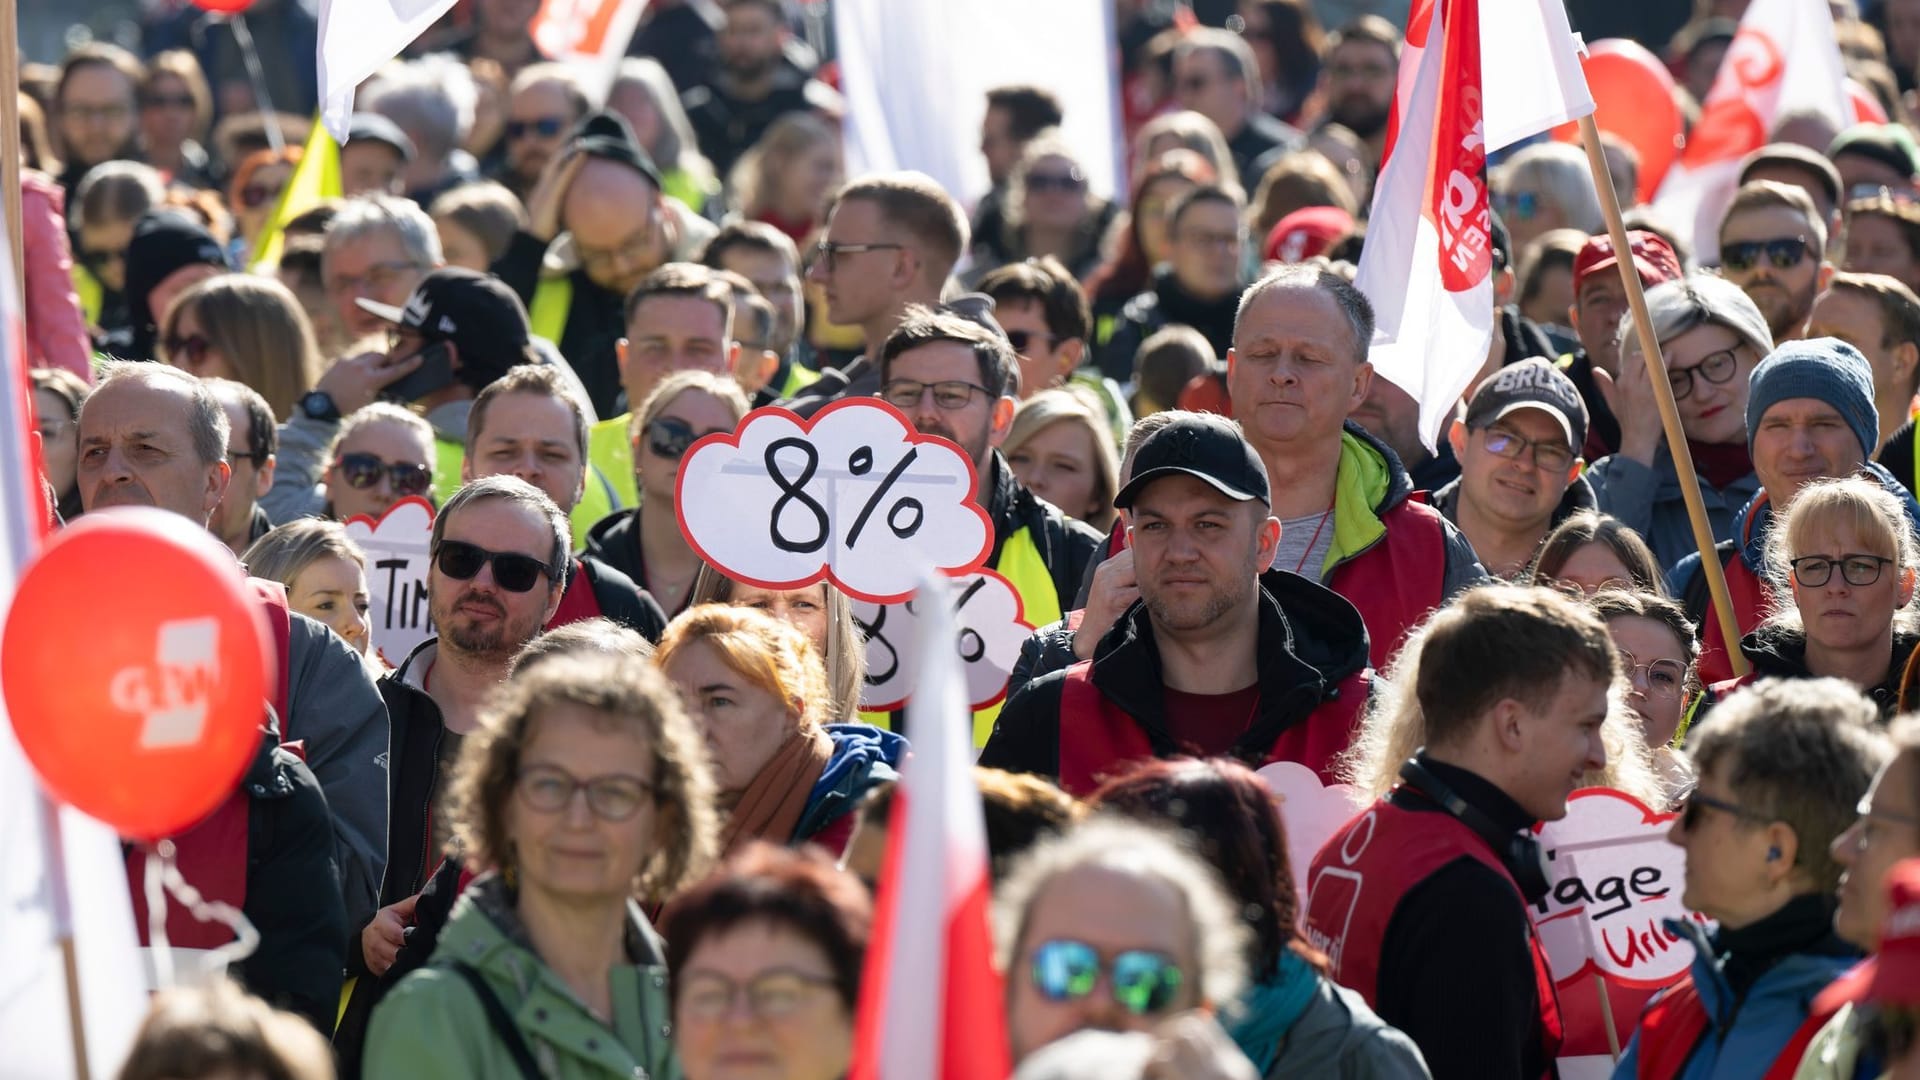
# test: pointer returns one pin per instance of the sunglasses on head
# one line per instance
(363, 471)
(1141, 982)
(512, 571)
(546, 127)
(669, 437)
(1784, 253)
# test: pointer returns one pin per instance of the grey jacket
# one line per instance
(336, 710)
(299, 464)
(1648, 501)
(1339, 1037)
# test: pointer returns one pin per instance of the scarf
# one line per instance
(1720, 464)
(1269, 1008)
(771, 806)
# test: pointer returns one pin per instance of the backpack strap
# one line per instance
(503, 1026)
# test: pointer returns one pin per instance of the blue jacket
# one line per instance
(864, 757)
(1647, 500)
(1745, 1035)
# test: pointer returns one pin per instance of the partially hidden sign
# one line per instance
(1310, 811)
(1615, 881)
(992, 624)
(398, 548)
(854, 495)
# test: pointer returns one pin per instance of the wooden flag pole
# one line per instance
(10, 140)
(1716, 574)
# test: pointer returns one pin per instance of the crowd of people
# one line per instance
(623, 814)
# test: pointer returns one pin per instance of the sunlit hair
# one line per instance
(846, 657)
(1852, 504)
(721, 388)
(260, 327)
(384, 411)
(1065, 406)
(1611, 603)
(1558, 172)
(757, 176)
(221, 1030)
(284, 553)
(633, 699)
(598, 636)
(1190, 131)
(1591, 527)
(770, 655)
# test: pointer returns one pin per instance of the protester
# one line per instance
(1780, 769)
(1589, 552)
(544, 103)
(1802, 167)
(1200, 285)
(528, 424)
(238, 519)
(582, 752)
(1542, 187)
(57, 397)
(1427, 918)
(1876, 155)
(103, 209)
(1297, 369)
(375, 158)
(1711, 337)
(786, 930)
(434, 102)
(1659, 655)
(378, 248)
(757, 689)
(787, 178)
(1883, 237)
(1773, 244)
(476, 223)
(245, 328)
(1185, 129)
(820, 611)
(1519, 454)
(1216, 75)
(1880, 318)
(94, 106)
(1015, 116)
(1293, 1020)
(382, 454)
(1049, 212)
(1113, 925)
(769, 259)
(650, 548)
(1387, 413)
(171, 252)
(1170, 361)
(1141, 242)
(1217, 660)
(1360, 62)
(253, 195)
(1062, 452)
(1019, 811)
(176, 111)
(324, 571)
(643, 93)
(220, 1030)
(753, 85)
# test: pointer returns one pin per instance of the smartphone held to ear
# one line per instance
(434, 373)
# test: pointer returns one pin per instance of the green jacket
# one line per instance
(432, 1025)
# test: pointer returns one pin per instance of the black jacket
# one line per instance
(1260, 142)
(620, 597)
(858, 378)
(1164, 304)
(1069, 548)
(1310, 639)
(725, 126)
(1778, 652)
(595, 320)
(614, 542)
(1578, 497)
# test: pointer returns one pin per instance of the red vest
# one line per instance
(1672, 1027)
(1358, 878)
(1098, 738)
(578, 602)
(1397, 582)
(1749, 596)
(212, 856)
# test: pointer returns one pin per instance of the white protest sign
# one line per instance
(1311, 812)
(993, 626)
(398, 548)
(854, 495)
(1614, 881)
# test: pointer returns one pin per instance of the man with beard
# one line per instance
(1358, 78)
(755, 84)
(543, 105)
(499, 569)
(1215, 74)
(1218, 660)
(954, 378)
(1773, 244)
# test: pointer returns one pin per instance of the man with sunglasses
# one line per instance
(1519, 453)
(544, 103)
(154, 435)
(1773, 244)
(500, 562)
(238, 521)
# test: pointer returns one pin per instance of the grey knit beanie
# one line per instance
(1825, 369)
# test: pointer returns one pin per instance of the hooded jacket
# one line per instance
(1313, 677)
(864, 757)
(1780, 652)
(1165, 303)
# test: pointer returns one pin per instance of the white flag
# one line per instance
(1783, 60)
(1536, 81)
(590, 36)
(356, 37)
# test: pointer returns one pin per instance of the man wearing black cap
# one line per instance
(598, 225)
(375, 154)
(1216, 659)
(170, 253)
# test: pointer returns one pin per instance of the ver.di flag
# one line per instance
(589, 36)
(356, 37)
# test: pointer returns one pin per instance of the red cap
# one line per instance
(1651, 256)
(1305, 233)
(1893, 973)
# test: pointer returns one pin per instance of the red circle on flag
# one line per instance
(224, 7)
(134, 665)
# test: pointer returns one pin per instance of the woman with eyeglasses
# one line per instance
(383, 454)
(786, 772)
(246, 328)
(766, 958)
(1712, 337)
(1658, 651)
(1883, 236)
(1843, 562)
(1048, 210)
(1294, 1021)
(821, 612)
(254, 193)
(584, 790)
(1780, 769)
(645, 543)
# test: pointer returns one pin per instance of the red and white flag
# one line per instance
(590, 36)
(930, 999)
(1783, 60)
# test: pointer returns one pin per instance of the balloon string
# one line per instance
(163, 877)
(159, 950)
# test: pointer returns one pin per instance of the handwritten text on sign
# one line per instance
(397, 547)
(992, 628)
(854, 495)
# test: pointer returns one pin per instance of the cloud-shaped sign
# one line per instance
(993, 626)
(854, 495)
(398, 550)
(1312, 811)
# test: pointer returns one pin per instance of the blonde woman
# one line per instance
(1061, 449)
(245, 328)
(820, 611)
(787, 177)
(325, 573)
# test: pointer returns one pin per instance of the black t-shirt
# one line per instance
(1896, 455)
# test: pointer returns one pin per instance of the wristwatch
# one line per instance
(318, 405)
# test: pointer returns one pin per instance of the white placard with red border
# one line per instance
(398, 547)
(1311, 812)
(993, 626)
(853, 495)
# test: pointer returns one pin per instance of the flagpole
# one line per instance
(1663, 397)
(10, 137)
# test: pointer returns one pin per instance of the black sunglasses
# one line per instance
(512, 571)
(1784, 253)
(363, 471)
(1020, 339)
(1061, 182)
(669, 437)
(546, 127)
(193, 348)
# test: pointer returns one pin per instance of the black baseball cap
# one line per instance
(373, 127)
(1533, 383)
(1204, 446)
(478, 313)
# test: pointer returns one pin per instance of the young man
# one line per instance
(1519, 453)
(1216, 75)
(1773, 244)
(1217, 660)
(1199, 286)
(238, 521)
(1879, 316)
(1421, 901)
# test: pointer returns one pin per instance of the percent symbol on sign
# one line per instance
(903, 517)
(968, 653)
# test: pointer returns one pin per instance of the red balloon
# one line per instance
(135, 668)
(1633, 98)
(224, 7)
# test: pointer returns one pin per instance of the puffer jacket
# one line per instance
(433, 1025)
